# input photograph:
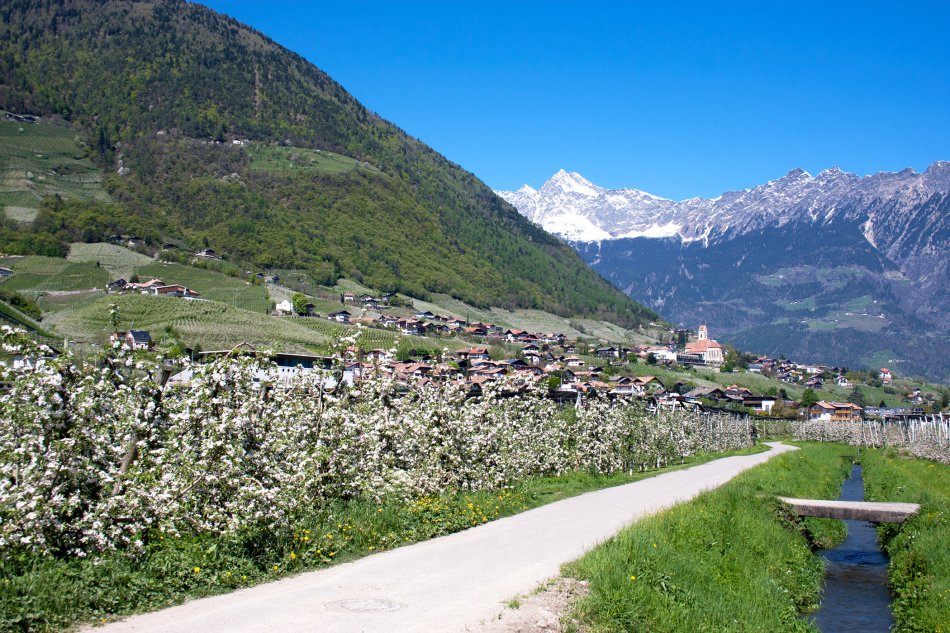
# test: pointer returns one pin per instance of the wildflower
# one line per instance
(633, 578)
(197, 570)
(275, 567)
(293, 556)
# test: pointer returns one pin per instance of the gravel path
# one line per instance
(450, 584)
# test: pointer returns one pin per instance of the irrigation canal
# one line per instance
(855, 596)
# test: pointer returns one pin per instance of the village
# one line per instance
(476, 354)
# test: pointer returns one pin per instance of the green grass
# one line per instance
(795, 306)
(46, 594)
(822, 325)
(919, 572)
(60, 302)
(299, 159)
(120, 261)
(43, 274)
(212, 285)
(733, 559)
(208, 324)
(43, 159)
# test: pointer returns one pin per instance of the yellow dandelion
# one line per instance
(293, 556)
(275, 567)
(633, 577)
(197, 570)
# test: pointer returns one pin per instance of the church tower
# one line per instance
(703, 334)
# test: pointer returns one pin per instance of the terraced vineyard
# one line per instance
(212, 285)
(40, 159)
(208, 324)
(57, 302)
(35, 274)
(120, 261)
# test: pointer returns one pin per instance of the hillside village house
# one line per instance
(144, 287)
(135, 339)
(284, 307)
(342, 316)
(835, 412)
(174, 290)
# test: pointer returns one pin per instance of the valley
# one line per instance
(826, 269)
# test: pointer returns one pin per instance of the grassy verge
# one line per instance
(38, 594)
(733, 559)
(919, 573)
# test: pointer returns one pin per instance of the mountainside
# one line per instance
(210, 134)
(834, 268)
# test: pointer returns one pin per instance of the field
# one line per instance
(919, 573)
(60, 301)
(120, 261)
(40, 159)
(35, 274)
(210, 325)
(212, 285)
(300, 159)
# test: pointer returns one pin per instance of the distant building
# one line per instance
(706, 348)
(135, 339)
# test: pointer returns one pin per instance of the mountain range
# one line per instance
(209, 134)
(831, 268)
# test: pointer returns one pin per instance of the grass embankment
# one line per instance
(39, 594)
(919, 572)
(731, 560)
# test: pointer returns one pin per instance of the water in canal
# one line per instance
(855, 596)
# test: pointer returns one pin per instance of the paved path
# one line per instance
(446, 584)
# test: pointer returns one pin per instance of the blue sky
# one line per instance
(678, 99)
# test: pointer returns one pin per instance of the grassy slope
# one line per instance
(212, 285)
(36, 274)
(120, 261)
(209, 324)
(919, 572)
(49, 594)
(281, 159)
(727, 561)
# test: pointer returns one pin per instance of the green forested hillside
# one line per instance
(161, 90)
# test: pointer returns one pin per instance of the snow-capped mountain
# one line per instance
(576, 209)
(832, 268)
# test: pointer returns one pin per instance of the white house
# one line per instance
(284, 307)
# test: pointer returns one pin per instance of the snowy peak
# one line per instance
(570, 183)
(576, 209)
